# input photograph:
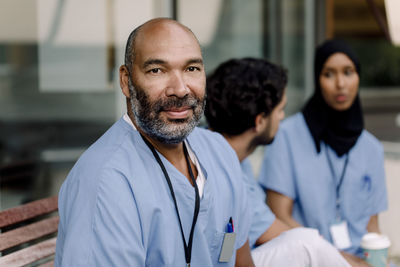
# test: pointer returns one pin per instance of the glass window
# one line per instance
(271, 29)
(359, 23)
(58, 85)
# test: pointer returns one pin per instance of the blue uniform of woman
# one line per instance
(326, 162)
(291, 168)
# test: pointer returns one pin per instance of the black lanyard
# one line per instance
(339, 185)
(188, 247)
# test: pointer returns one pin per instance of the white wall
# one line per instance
(390, 220)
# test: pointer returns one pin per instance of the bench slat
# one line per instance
(29, 254)
(28, 211)
(47, 264)
(28, 233)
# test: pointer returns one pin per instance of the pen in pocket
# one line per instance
(230, 227)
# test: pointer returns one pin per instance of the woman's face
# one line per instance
(339, 81)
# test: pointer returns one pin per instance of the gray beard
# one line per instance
(147, 116)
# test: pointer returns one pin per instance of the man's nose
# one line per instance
(177, 85)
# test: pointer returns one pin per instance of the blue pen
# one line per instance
(229, 228)
(231, 222)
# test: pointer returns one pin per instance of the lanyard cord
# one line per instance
(339, 185)
(188, 247)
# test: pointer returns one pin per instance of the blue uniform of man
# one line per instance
(155, 190)
(261, 215)
(116, 209)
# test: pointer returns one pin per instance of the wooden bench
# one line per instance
(28, 234)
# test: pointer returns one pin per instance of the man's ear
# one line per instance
(124, 80)
(260, 122)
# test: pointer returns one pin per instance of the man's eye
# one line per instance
(155, 70)
(192, 68)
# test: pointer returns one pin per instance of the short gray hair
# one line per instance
(130, 44)
(130, 48)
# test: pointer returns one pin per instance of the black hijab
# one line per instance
(339, 129)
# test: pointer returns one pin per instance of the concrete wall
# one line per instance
(390, 219)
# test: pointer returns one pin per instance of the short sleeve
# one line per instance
(117, 239)
(261, 216)
(276, 171)
(107, 233)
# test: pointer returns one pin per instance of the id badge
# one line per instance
(340, 235)
(227, 247)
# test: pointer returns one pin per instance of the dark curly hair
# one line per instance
(240, 89)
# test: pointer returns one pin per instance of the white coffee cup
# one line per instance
(375, 248)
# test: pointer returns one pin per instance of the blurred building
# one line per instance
(59, 64)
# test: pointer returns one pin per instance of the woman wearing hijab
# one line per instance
(324, 170)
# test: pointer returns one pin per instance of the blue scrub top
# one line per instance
(292, 167)
(116, 208)
(261, 215)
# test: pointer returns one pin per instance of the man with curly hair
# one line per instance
(245, 103)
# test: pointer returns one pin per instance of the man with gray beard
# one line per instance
(155, 190)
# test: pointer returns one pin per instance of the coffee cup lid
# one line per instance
(375, 241)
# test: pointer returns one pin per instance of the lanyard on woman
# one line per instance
(339, 185)
(188, 247)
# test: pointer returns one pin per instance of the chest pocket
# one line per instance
(216, 247)
(360, 194)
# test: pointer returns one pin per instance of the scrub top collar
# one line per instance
(200, 180)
